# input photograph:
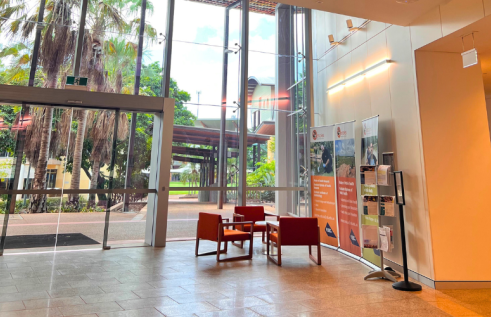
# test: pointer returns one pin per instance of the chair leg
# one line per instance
(238, 245)
(313, 258)
(264, 237)
(211, 252)
(251, 242)
(279, 253)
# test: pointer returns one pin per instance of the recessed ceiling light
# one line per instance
(406, 1)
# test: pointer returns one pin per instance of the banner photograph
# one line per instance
(349, 229)
(323, 187)
(369, 142)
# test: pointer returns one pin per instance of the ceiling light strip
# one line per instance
(362, 73)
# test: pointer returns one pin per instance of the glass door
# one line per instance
(73, 178)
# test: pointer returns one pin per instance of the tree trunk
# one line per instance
(94, 181)
(77, 159)
(37, 203)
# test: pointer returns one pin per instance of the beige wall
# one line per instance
(488, 107)
(394, 96)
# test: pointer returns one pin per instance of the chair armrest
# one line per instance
(268, 225)
(267, 214)
(230, 224)
(238, 216)
(225, 219)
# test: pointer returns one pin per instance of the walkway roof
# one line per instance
(207, 136)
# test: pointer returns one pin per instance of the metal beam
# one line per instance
(244, 64)
(79, 99)
(222, 164)
(80, 40)
(130, 161)
(309, 97)
(169, 34)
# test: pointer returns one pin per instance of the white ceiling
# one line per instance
(388, 11)
(482, 41)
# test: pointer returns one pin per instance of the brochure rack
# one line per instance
(401, 201)
(385, 272)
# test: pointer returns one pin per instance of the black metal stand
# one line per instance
(405, 285)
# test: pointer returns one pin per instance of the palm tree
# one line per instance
(103, 16)
(56, 49)
(102, 133)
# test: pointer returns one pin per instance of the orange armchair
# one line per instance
(254, 214)
(211, 227)
(294, 231)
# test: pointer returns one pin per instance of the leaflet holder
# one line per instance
(386, 273)
(401, 201)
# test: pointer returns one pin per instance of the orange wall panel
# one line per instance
(457, 155)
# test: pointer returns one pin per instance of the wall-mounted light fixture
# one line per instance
(349, 23)
(332, 41)
(356, 78)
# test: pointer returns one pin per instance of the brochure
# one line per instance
(383, 175)
(384, 234)
(368, 175)
(370, 205)
(387, 206)
(370, 236)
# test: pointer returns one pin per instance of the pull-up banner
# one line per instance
(322, 182)
(369, 160)
(349, 229)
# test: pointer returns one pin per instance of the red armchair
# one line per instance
(294, 231)
(211, 227)
(254, 214)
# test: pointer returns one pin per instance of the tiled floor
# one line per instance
(172, 282)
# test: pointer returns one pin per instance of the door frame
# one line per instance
(161, 155)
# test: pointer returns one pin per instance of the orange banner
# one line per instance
(347, 199)
(323, 183)
(324, 208)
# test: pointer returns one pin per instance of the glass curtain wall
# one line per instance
(276, 169)
(123, 52)
(204, 83)
(73, 158)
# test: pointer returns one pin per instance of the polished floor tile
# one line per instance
(171, 281)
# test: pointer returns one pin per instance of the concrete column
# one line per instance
(283, 101)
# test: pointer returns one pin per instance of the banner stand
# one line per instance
(386, 273)
(401, 201)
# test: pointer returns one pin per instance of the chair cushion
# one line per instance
(274, 237)
(235, 235)
(257, 228)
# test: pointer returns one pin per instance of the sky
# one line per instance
(198, 67)
(197, 54)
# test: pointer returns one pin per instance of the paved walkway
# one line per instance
(124, 228)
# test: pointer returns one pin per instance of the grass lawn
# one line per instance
(181, 192)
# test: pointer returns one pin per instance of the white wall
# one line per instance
(391, 95)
